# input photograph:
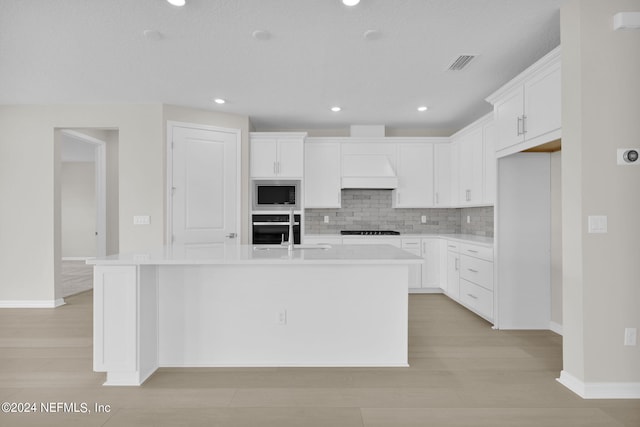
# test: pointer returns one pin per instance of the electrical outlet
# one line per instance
(630, 336)
(423, 219)
(468, 219)
(282, 317)
(326, 219)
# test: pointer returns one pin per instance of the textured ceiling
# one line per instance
(94, 52)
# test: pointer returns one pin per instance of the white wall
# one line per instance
(600, 111)
(78, 204)
(30, 240)
(556, 239)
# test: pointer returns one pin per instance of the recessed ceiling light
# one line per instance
(219, 101)
(336, 109)
(372, 34)
(177, 2)
(423, 108)
(261, 35)
(152, 35)
(350, 2)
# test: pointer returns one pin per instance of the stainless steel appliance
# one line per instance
(273, 229)
(276, 195)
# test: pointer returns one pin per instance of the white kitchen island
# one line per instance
(240, 305)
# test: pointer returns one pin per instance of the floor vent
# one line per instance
(461, 62)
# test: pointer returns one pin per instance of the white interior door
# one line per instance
(204, 185)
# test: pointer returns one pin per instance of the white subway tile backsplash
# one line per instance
(371, 210)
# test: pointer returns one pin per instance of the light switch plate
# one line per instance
(597, 224)
(141, 220)
(630, 336)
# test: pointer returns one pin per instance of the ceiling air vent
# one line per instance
(461, 62)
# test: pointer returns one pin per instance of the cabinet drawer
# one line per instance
(477, 251)
(477, 271)
(411, 245)
(453, 246)
(476, 298)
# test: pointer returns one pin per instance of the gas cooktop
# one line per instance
(369, 233)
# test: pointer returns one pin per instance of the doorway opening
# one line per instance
(88, 204)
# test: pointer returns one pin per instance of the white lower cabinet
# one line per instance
(415, 271)
(431, 266)
(470, 277)
(453, 271)
(477, 298)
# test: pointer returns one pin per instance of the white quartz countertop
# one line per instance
(227, 254)
(464, 238)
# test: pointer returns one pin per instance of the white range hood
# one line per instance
(368, 171)
(368, 164)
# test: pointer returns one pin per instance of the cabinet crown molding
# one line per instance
(278, 134)
(550, 59)
(378, 140)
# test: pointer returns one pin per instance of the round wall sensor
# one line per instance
(630, 156)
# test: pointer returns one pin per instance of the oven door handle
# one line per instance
(274, 223)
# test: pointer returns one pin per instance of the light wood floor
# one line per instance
(462, 373)
(77, 277)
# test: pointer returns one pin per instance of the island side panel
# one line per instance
(283, 315)
(125, 323)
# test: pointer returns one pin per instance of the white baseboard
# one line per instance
(425, 291)
(599, 390)
(32, 303)
(555, 327)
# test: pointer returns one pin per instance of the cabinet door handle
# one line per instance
(472, 270)
(437, 198)
(524, 124)
(472, 251)
(472, 296)
(457, 264)
(274, 168)
(468, 195)
(518, 125)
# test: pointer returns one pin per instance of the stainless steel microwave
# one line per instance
(276, 195)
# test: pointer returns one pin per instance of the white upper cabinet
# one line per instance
(471, 168)
(415, 176)
(490, 164)
(472, 171)
(322, 174)
(543, 103)
(527, 110)
(277, 155)
(454, 173)
(442, 175)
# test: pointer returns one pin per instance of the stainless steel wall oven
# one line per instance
(272, 229)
